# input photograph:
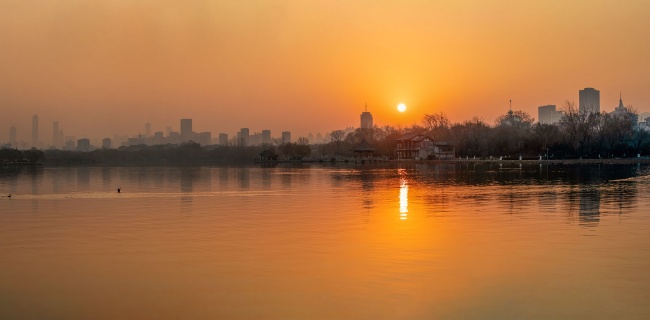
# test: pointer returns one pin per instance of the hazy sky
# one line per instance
(103, 67)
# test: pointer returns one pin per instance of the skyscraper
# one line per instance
(548, 114)
(186, 130)
(107, 143)
(147, 130)
(12, 137)
(55, 134)
(366, 119)
(244, 136)
(223, 139)
(589, 101)
(35, 131)
(286, 137)
(266, 136)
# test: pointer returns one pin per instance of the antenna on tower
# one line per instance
(510, 104)
(366, 106)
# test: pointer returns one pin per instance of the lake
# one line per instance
(390, 241)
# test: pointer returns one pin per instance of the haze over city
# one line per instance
(103, 68)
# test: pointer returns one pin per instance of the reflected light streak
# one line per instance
(403, 196)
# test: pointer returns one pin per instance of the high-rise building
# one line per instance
(61, 138)
(366, 119)
(589, 101)
(244, 136)
(107, 143)
(266, 136)
(147, 130)
(204, 138)
(83, 145)
(70, 142)
(286, 137)
(12, 137)
(55, 134)
(35, 131)
(548, 114)
(223, 139)
(186, 129)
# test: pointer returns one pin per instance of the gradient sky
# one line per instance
(107, 67)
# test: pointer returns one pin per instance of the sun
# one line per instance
(401, 107)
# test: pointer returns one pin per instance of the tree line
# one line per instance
(514, 134)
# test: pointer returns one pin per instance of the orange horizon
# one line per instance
(107, 68)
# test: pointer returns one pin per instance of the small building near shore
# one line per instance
(418, 146)
(364, 150)
(268, 155)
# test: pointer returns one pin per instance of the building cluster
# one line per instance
(186, 134)
(589, 102)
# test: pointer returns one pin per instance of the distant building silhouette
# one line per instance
(83, 145)
(60, 138)
(548, 114)
(35, 131)
(55, 134)
(147, 130)
(622, 111)
(12, 137)
(266, 136)
(204, 138)
(107, 143)
(589, 101)
(223, 139)
(244, 137)
(186, 130)
(286, 137)
(70, 143)
(366, 119)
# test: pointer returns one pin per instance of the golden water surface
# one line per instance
(333, 242)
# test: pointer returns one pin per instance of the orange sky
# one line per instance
(107, 67)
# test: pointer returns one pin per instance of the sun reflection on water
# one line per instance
(403, 195)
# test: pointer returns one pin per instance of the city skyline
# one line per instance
(547, 114)
(308, 67)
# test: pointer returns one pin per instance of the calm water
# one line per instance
(393, 242)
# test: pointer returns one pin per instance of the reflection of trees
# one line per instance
(107, 176)
(83, 178)
(621, 195)
(188, 175)
(244, 177)
(589, 214)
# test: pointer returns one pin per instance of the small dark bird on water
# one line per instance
(118, 190)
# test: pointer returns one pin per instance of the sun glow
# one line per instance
(403, 195)
(401, 107)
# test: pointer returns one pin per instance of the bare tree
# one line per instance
(303, 141)
(436, 125)
(337, 136)
(577, 126)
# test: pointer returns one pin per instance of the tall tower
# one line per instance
(266, 136)
(55, 134)
(366, 119)
(589, 100)
(244, 136)
(35, 131)
(12, 137)
(286, 137)
(186, 129)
